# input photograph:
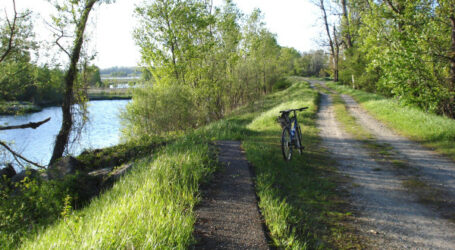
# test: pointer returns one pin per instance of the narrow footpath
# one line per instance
(387, 216)
(228, 216)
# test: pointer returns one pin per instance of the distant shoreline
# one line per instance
(15, 108)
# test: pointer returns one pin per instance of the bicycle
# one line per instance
(291, 137)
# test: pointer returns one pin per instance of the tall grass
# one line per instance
(434, 131)
(151, 207)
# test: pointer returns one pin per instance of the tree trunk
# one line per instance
(451, 105)
(336, 56)
(332, 46)
(345, 23)
(68, 99)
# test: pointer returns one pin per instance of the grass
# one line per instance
(152, 206)
(299, 200)
(433, 131)
(349, 122)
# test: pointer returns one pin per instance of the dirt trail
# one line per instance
(436, 170)
(228, 216)
(386, 214)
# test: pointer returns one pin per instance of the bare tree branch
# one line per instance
(32, 125)
(16, 155)
(12, 28)
(62, 35)
(395, 9)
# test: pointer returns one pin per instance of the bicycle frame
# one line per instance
(291, 131)
(293, 120)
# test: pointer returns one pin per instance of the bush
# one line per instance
(30, 204)
(281, 84)
(160, 109)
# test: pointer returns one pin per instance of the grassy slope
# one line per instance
(298, 199)
(433, 131)
(152, 206)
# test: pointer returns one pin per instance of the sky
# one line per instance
(295, 22)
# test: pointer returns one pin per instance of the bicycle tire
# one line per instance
(286, 144)
(299, 146)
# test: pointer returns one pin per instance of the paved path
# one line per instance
(228, 216)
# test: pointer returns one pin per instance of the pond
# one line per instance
(102, 130)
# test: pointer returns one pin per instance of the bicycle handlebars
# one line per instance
(290, 110)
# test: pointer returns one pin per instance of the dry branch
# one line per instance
(32, 125)
(16, 155)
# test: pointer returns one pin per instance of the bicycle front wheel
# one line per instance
(286, 144)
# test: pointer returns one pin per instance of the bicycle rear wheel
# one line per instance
(286, 144)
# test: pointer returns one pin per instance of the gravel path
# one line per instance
(228, 216)
(435, 170)
(386, 213)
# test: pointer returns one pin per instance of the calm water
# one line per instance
(102, 130)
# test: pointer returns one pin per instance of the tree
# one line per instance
(332, 39)
(72, 13)
(91, 75)
(16, 35)
(211, 53)
(403, 49)
(16, 38)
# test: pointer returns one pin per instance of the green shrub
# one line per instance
(160, 109)
(281, 84)
(28, 205)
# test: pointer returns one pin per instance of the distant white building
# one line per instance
(119, 86)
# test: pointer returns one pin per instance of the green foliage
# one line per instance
(23, 39)
(403, 49)
(33, 204)
(90, 76)
(23, 81)
(313, 63)
(29, 205)
(353, 72)
(161, 109)
(282, 84)
(219, 60)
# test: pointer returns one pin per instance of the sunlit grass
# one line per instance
(298, 199)
(434, 131)
(153, 205)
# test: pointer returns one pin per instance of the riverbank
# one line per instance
(12, 108)
(93, 94)
(34, 199)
